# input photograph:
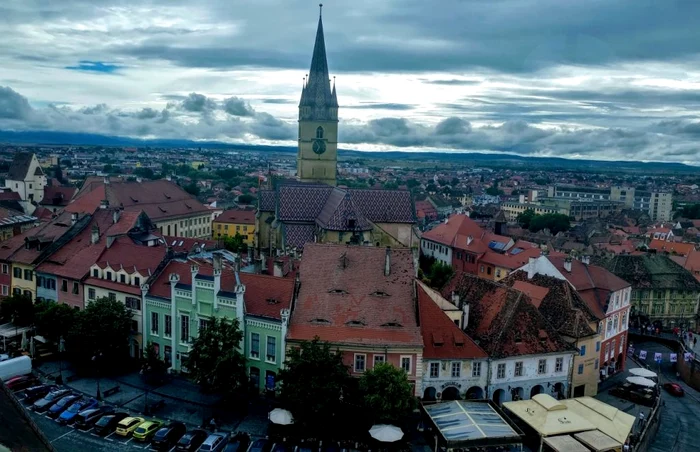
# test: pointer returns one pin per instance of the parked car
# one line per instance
(62, 405)
(147, 429)
(22, 382)
(309, 446)
(87, 418)
(35, 393)
(49, 399)
(191, 440)
(166, 437)
(126, 426)
(68, 416)
(284, 447)
(214, 442)
(330, 446)
(108, 423)
(261, 445)
(239, 443)
(674, 389)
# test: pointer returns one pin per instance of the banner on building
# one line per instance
(657, 357)
(630, 350)
(688, 356)
(673, 357)
(643, 354)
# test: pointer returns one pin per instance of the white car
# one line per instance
(4, 357)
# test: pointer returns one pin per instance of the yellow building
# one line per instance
(23, 280)
(232, 222)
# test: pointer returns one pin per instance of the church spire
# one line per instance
(317, 93)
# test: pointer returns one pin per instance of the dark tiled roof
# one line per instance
(442, 339)
(385, 206)
(503, 321)
(345, 297)
(338, 213)
(20, 166)
(9, 196)
(266, 200)
(652, 271)
(296, 235)
(301, 202)
(237, 216)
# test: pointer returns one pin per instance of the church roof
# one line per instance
(341, 214)
(20, 166)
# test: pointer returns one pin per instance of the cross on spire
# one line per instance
(320, 9)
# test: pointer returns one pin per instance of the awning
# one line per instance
(565, 443)
(597, 440)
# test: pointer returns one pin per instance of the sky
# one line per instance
(594, 79)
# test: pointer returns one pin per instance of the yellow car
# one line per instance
(126, 426)
(146, 430)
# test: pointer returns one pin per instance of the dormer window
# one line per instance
(321, 321)
(351, 224)
(272, 301)
(379, 293)
(392, 324)
(108, 275)
(338, 291)
(95, 273)
(355, 323)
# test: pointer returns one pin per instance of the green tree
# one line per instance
(58, 174)
(54, 320)
(314, 381)
(235, 244)
(439, 274)
(525, 218)
(555, 222)
(454, 182)
(215, 361)
(146, 173)
(246, 199)
(192, 188)
(153, 369)
(387, 394)
(390, 186)
(17, 309)
(412, 183)
(103, 327)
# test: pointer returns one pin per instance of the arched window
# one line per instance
(319, 132)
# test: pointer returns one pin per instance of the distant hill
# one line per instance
(86, 139)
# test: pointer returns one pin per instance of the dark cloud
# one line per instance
(13, 105)
(235, 106)
(381, 106)
(280, 101)
(147, 113)
(94, 110)
(198, 103)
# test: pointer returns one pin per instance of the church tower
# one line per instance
(317, 157)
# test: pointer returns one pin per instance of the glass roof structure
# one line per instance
(472, 422)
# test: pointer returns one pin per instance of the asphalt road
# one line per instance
(679, 427)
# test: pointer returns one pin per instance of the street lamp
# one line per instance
(97, 359)
(61, 348)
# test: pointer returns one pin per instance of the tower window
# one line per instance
(319, 132)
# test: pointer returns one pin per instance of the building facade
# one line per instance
(27, 178)
(232, 222)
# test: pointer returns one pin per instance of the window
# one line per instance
(203, 324)
(583, 350)
(518, 368)
(5, 268)
(133, 303)
(476, 370)
(406, 364)
(378, 359)
(481, 269)
(154, 323)
(542, 366)
(122, 278)
(96, 272)
(109, 275)
(168, 321)
(456, 370)
(184, 329)
(5, 289)
(580, 369)
(91, 294)
(40, 281)
(64, 285)
(134, 326)
(271, 349)
(359, 363)
(28, 275)
(137, 281)
(597, 363)
(76, 288)
(17, 272)
(501, 371)
(559, 365)
(255, 345)
(488, 270)
(597, 346)
(319, 132)
(16, 291)
(434, 370)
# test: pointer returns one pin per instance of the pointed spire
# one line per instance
(334, 97)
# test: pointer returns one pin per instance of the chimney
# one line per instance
(387, 261)
(139, 179)
(455, 299)
(277, 269)
(567, 264)
(470, 239)
(531, 268)
(104, 204)
(115, 216)
(73, 218)
(106, 180)
(95, 234)
(465, 315)
(217, 261)
(586, 259)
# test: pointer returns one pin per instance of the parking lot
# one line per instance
(66, 438)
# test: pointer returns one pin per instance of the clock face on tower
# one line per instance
(319, 146)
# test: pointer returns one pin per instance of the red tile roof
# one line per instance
(112, 285)
(124, 253)
(447, 232)
(187, 245)
(585, 277)
(345, 297)
(237, 216)
(264, 295)
(57, 196)
(536, 293)
(672, 247)
(442, 339)
(14, 249)
(9, 196)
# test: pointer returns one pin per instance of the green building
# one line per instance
(188, 294)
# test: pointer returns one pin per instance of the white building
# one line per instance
(27, 178)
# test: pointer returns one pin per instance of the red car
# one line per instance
(22, 382)
(674, 389)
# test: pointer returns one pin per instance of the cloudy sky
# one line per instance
(610, 79)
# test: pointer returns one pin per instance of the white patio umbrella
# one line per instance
(641, 381)
(640, 372)
(280, 417)
(386, 433)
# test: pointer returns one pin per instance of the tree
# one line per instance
(17, 309)
(215, 361)
(313, 382)
(555, 222)
(246, 199)
(387, 394)
(525, 218)
(103, 327)
(153, 368)
(58, 174)
(235, 244)
(454, 182)
(412, 183)
(146, 173)
(192, 188)
(54, 320)
(439, 274)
